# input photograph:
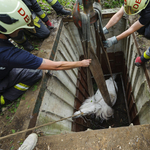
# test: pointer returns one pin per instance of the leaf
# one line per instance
(7, 117)
(23, 98)
(35, 88)
(15, 109)
(13, 131)
(36, 48)
(11, 141)
(21, 143)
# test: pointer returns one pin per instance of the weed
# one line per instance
(35, 88)
(23, 98)
(70, 3)
(17, 104)
(13, 109)
(1, 114)
(13, 131)
(111, 4)
(48, 12)
(36, 48)
(7, 117)
(21, 143)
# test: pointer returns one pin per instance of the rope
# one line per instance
(46, 124)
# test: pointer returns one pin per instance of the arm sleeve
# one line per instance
(18, 58)
(145, 15)
(144, 20)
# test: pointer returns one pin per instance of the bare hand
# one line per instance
(85, 62)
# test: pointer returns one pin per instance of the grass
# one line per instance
(70, 3)
(111, 3)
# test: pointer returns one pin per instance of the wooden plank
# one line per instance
(97, 72)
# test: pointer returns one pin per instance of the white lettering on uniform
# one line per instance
(2, 68)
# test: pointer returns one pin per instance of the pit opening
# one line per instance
(121, 115)
(125, 111)
(65, 91)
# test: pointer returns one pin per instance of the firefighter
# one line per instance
(142, 25)
(39, 17)
(20, 69)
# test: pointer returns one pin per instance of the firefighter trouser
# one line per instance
(41, 30)
(146, 56)
(17, 82)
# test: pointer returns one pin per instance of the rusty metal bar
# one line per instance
(97, 72)
(98, 48)
(125, 99)
(146, 71)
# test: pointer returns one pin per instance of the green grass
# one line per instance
(111, 3)
(70, 3)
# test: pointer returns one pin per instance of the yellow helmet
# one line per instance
(132, 7)
(14, 14)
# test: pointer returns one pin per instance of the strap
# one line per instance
(103, 38)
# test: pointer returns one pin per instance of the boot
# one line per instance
(49, 25)
(138, 61)
(21, 39)
(64, 12)
(27, 46)
(59, 9)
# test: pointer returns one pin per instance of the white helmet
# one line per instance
(132, 7)
(14, 14)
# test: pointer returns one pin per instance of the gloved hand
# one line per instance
(110, 41)
(105, 31)
(138, 61)
(49, 25)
